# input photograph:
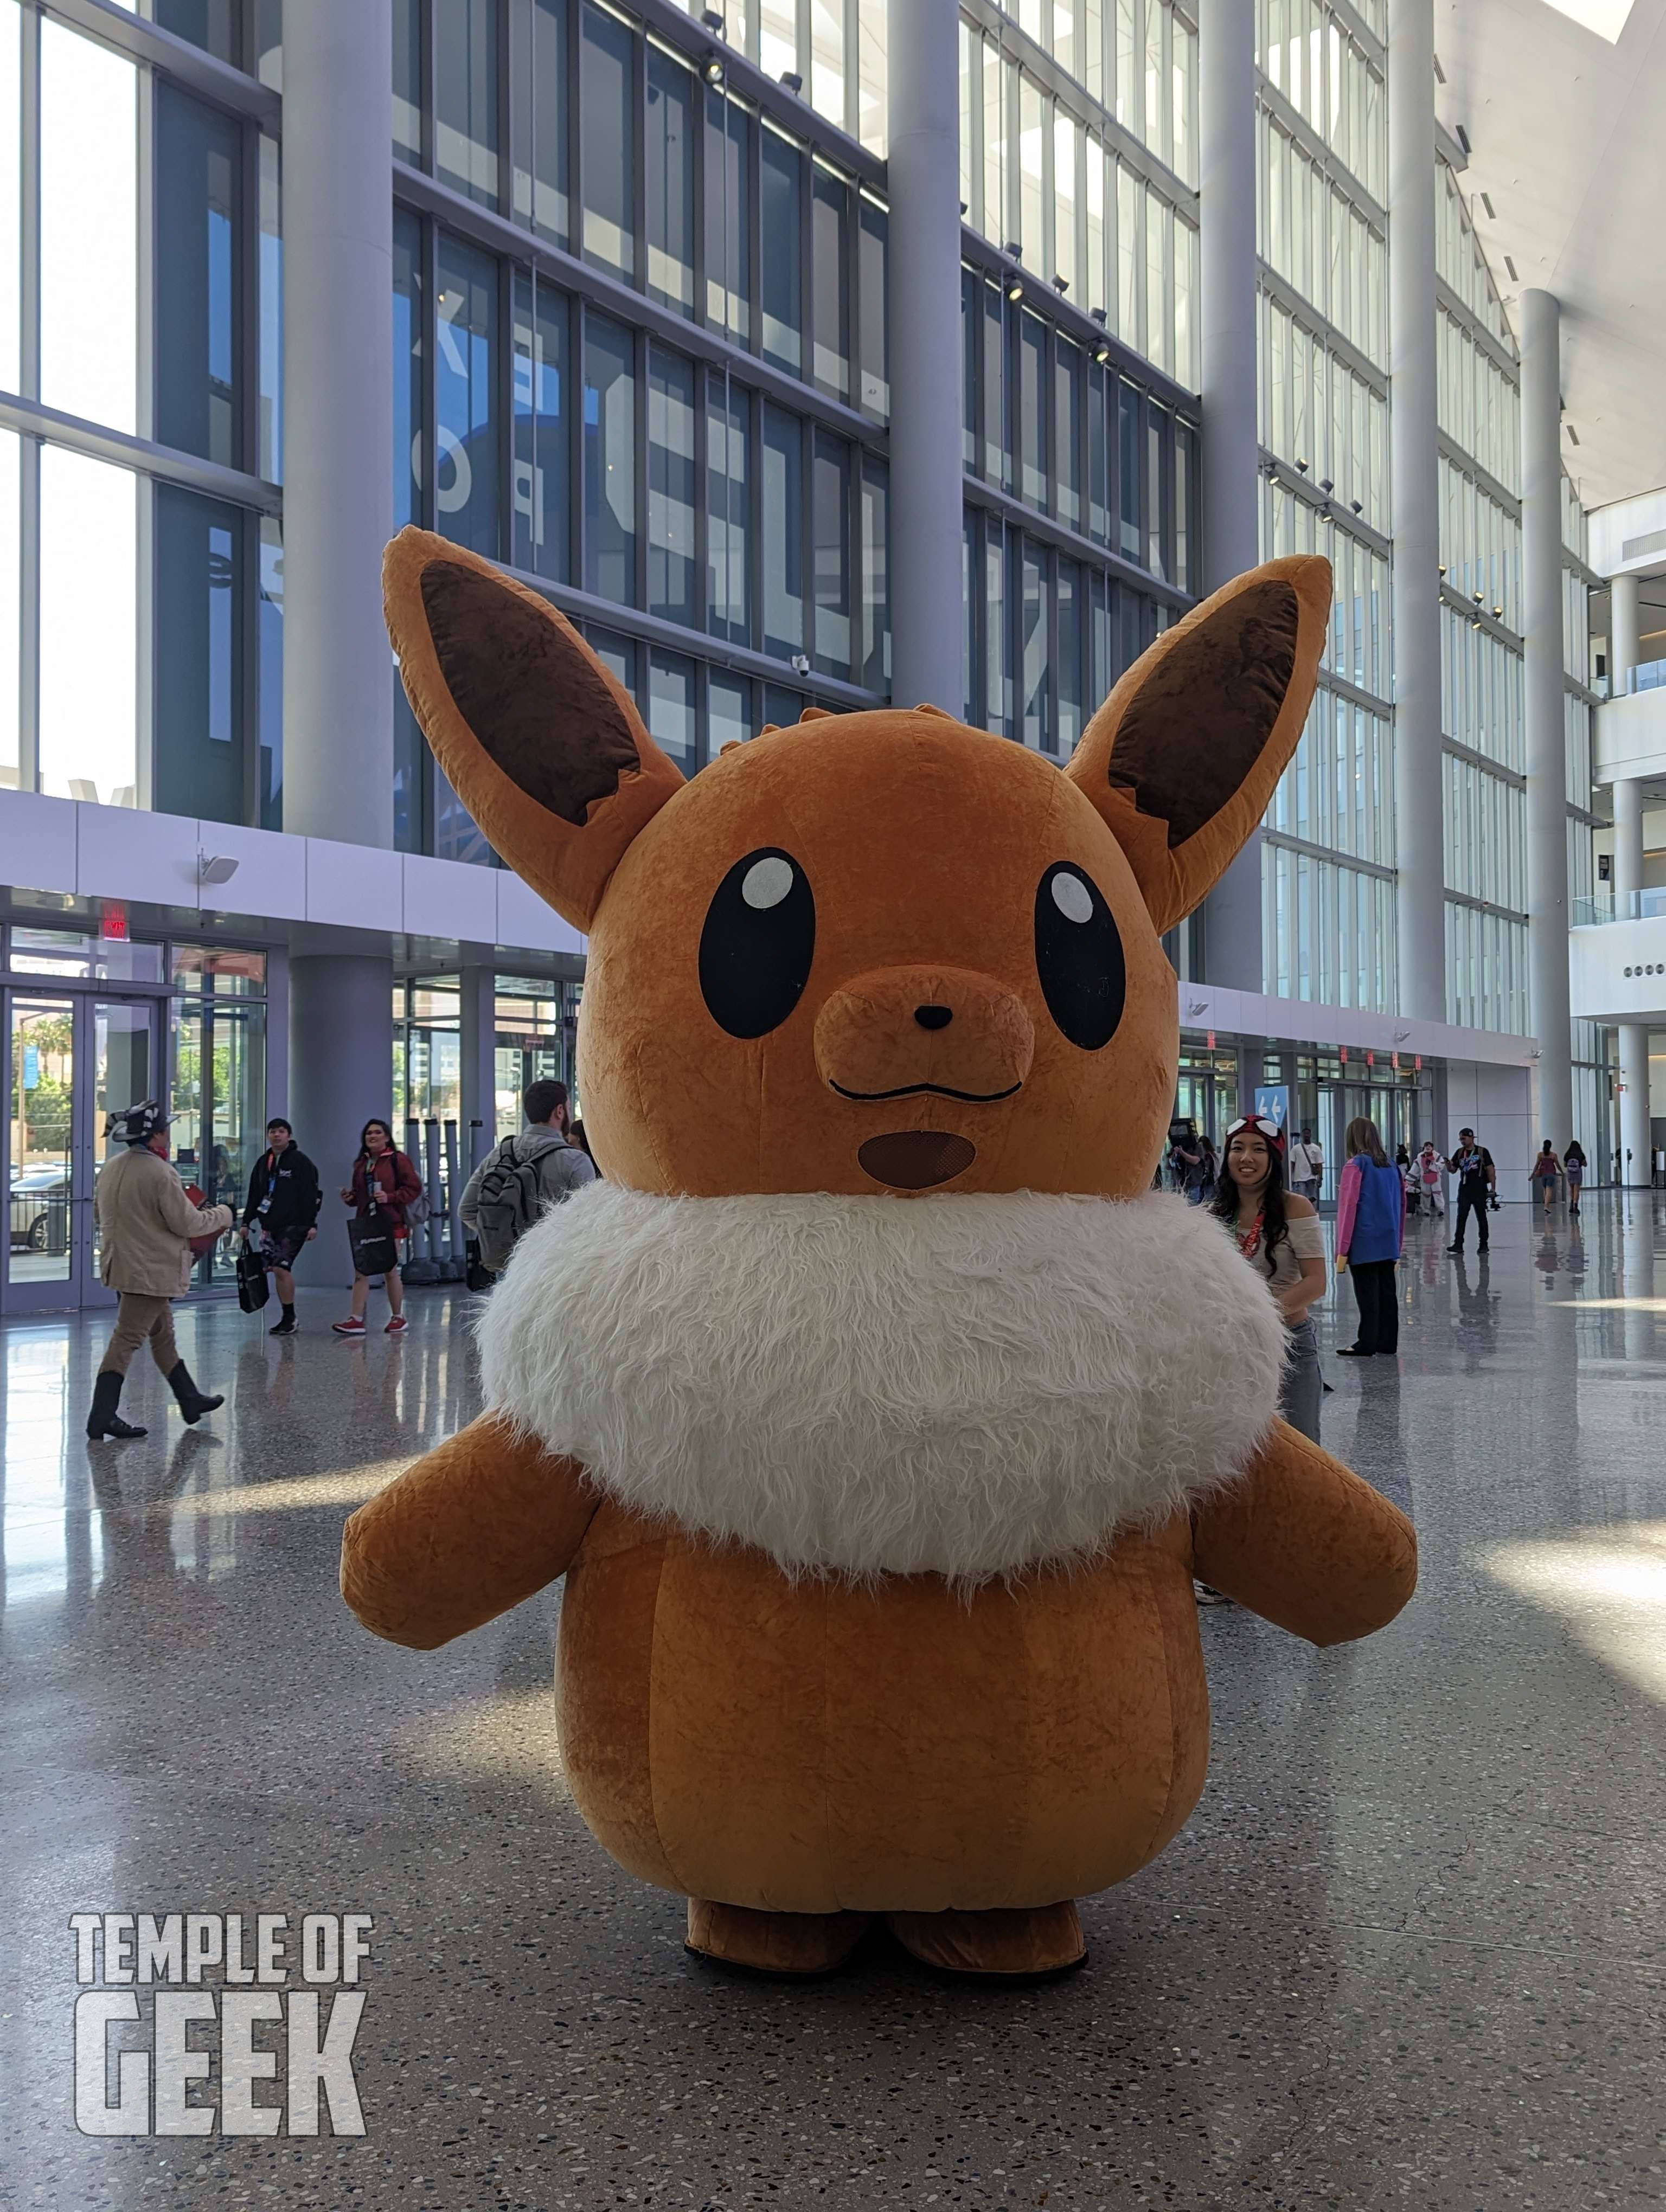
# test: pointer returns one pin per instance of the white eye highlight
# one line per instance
(1070, 895)
(766, 882)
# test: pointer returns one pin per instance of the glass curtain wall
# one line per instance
(181, 349)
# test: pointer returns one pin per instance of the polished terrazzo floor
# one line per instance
(1410, 1951)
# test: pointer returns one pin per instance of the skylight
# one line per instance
(1606, 17)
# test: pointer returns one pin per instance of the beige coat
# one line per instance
(146, 1224)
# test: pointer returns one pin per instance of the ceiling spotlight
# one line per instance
(712, 19)
(1357, 505)
(1475, 621)
(1014, 289)
(712, 68)
(963, 207)
(1061, 284)
(792, 80)
(1443, 568)
(1498, 613)
(1012, 247)
(1478, 596)
(1099, 317)
(1101, 354)
(1301, 468)
(1326, 484)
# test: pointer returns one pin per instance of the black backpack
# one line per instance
(509, 1201)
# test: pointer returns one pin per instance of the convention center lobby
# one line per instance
(1407, 1951)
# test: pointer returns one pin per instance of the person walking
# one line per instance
(527, 1173)
(1478, 1180)
(1185, 1161)
(280, 1213)
(1280, 1234)
(1210, 1178)
(1307, 1167)
(146, 1224)
(384, 1185)
(1370, 1221)
(1427, 1169)
(1546, 1170)
(1573, 1167)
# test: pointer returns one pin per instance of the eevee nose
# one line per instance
(946, 1032)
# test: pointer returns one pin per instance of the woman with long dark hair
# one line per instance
(385, 1183)
(1370, 1222)
(1278, 1231)
(1573, 1167)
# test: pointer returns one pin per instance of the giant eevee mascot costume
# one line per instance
(877, 1414)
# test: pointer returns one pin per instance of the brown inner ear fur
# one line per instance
(1196, 728)
(540, 710)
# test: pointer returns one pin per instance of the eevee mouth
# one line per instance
(915, 1159)
(936, 1089)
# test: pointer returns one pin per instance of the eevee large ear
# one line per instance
(541, 745)
(1183, 757)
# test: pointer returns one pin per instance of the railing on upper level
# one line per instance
(1647, 676)
(1606, 906)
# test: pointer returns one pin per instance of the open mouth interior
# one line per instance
(915, 1159)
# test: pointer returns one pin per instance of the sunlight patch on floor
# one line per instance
(1607, 1587)
(347, 1485)
(511, 1737)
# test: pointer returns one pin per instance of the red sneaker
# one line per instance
(351, 1326)
(395, 1327)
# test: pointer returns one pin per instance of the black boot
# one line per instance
(192, 1404)
(104, 1421)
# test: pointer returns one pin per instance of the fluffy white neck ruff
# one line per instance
(860, 1386)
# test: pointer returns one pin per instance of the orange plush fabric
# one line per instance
(893, 959)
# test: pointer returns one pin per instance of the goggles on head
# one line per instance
(1260, 1126)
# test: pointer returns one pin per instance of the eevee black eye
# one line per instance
(1079, 956)
(758, 943)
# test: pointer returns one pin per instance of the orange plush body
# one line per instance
(846, 1405)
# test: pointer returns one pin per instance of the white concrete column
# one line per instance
(1546, 729)
(337, 420)
(1625, 649)
(478, 1039)
(341, 1074)
(1420, 841)
(1624, 654)
(927, 610)
(1231, 445)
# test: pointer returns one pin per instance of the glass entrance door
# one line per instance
(73, 1059)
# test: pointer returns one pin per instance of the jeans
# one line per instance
(1308, 1188)
(1301, 1391)
(1471, 1202)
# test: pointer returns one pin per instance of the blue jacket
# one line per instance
(1371, 1212)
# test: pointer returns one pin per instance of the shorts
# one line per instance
(280, 1249)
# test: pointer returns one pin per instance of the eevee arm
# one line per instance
(1306, 1544)
(478, 1524)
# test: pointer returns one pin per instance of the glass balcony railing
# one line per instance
(1648, 675)
(1636, 906)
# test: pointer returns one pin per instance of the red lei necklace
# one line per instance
(1250, 1239)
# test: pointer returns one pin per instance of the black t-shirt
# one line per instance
(1474, 1165)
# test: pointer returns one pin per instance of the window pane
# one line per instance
(783, 533)
(88, 558)
(729, 711)
(198, 769)
(10, 606)
(728, 248)
(1032, 616)
(670, 715)
(1069, 589)
(540, 428)
(832, 554)
(1185, 488)
(997, 460)
(1067, 387)
(465, 396)
(608, 142)
(410, 757)
(90, 226)
(728, 501)
(1156, 423)
(618, 655)
(11, 185)
(209, 24)
(538, 98)
(876, 356)
(1032, 397)
(781, 708)
(1098, 460)
(465, 97)
(269, 457)
(408, 81)
(270, 794)
(1127, 469)
(783, 253)
(829, 253)
(876, 577)
(198, 154)
(671, 112)
(997, 634)
(408, 347)
(670, 486)
(609, 462)
(456, 835)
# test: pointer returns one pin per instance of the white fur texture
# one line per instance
(963, 1386)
